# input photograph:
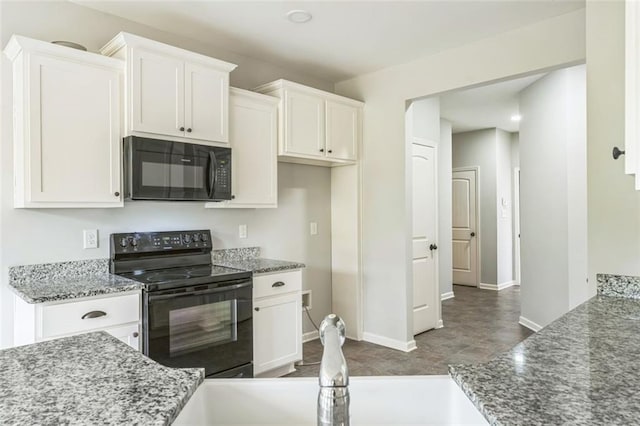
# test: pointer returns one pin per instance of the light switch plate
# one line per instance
(242, 231)
(90, 238)
(313, 228)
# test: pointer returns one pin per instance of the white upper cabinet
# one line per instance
(343, 130)
(173, 93)
(253, 136)
(304, 126)
(157, 84)
(66, 126)
(317, 127)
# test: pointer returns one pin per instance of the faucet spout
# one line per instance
(333, 398)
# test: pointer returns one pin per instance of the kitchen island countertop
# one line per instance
(90, 379)
(581, 369)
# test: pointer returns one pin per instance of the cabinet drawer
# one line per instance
(66, 318)
(278, 283)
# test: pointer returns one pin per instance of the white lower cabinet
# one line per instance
(118, 315)
(277, 323)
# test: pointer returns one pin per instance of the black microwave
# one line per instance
(157, 169)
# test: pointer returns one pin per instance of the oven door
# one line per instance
(167, 170)
(207, 326)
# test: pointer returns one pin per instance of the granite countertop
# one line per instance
(581, 369)
(67, 280)
(90, 379)
(248, 259)
(259, 265)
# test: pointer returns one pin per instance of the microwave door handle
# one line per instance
(211, 178)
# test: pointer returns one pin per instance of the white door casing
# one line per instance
(466, 265)
(516, 222)
(425, 253)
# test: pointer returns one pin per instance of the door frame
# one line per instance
(478, 236)
(438, 302)
(516, 224)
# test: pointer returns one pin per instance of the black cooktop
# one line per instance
(185, 276)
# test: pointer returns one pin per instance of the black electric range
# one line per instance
(195, 314)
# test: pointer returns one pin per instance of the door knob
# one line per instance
(433, 247)
(473, 234)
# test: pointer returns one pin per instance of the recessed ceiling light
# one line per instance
(516, 117)
(299, 16)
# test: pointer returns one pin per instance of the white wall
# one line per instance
(553, 195)
(478, 148)
(423, 121)
(504, 226)
(385, 238)
(51, 235)
(613, 203)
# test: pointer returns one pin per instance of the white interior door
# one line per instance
(465, 228)
(425, 253)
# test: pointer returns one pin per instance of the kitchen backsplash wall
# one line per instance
(54, 235)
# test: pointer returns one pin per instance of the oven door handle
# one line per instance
(200, 292)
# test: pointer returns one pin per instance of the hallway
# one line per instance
(479, 324)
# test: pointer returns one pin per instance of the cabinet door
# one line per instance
(304, 124)
(129, 334)
(277, 332)
(343, 130)
(206, 103)
(157, 93)
(253, 136)
(73, 146)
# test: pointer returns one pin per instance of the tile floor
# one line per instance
(478, 324)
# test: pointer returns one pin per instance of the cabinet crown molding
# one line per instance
(123, 39)
(286, 84)
(18, 44)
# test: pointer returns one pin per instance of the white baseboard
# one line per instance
(530, 324)
(389, 343)
(446, 296)
(497, 287)
(309, 336)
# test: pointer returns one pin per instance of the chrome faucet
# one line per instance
(333, 398)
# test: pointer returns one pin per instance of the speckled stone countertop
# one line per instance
(67, 280)
(248, 259)
(582, 369)
(90, 379)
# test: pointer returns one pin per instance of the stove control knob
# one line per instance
(204, 237)
(134, 242)
(186, 238)
(124, 242)
(196, 238)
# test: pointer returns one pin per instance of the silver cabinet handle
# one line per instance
(277, 284)
(94, 314)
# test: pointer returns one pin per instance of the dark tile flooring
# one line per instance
(478, 325)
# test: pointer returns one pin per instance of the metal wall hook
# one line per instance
(617, 153)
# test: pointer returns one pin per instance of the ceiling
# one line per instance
(486, 106)
(345, 38)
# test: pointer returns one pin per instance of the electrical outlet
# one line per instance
(242, 231)
(90, 238)
(313, 228)
(306, 299)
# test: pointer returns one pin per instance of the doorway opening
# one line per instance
(498, 228)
